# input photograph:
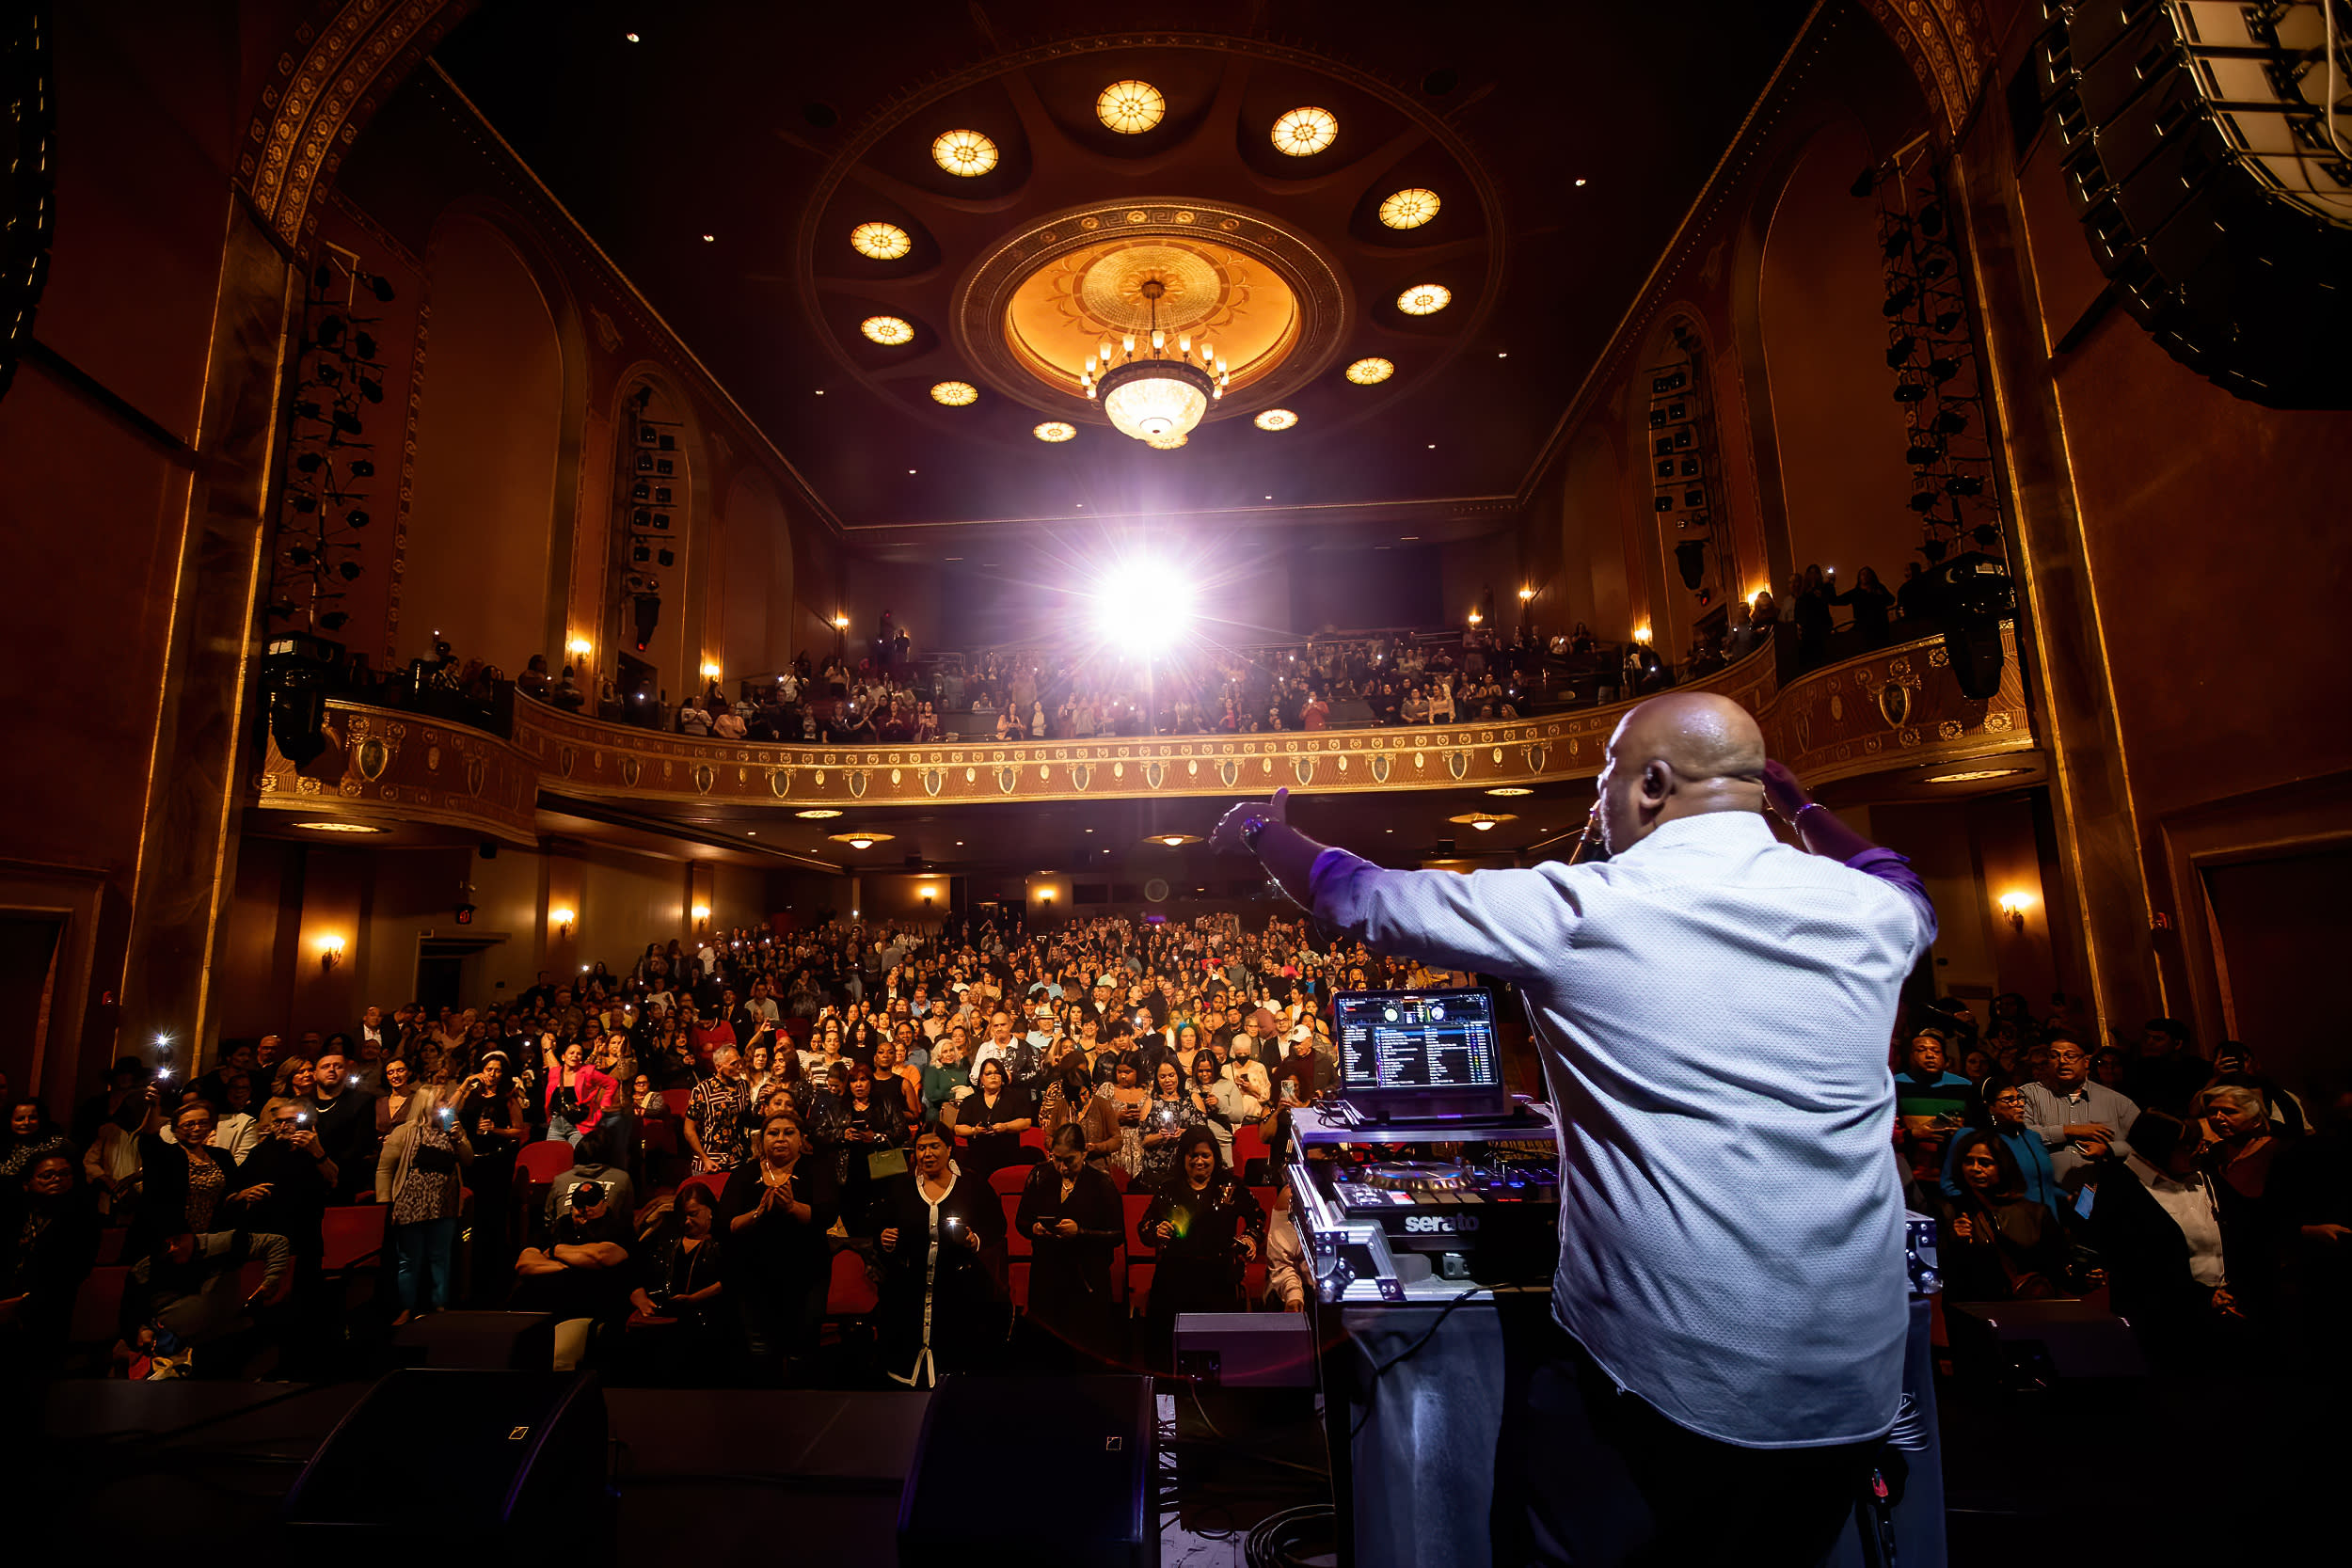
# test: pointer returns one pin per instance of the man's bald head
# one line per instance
(1683, 755)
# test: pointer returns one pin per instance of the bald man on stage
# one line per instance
(1713, 1009)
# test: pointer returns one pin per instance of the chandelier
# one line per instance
(1151, 394)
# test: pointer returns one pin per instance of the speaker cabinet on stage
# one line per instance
(484, 1341)
(1088, 1445)
(512, 1464)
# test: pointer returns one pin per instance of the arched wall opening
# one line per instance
(481, 524)
(1838, 433)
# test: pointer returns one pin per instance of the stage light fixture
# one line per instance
(381, 286)
(1899, 300)
(1964, 485)
(361, 467)
(363, 346)
(1899, 350)
(1145, 605)
(1909, 391)
(331, 332)
(1946, 320)
(1950, 420)
(308, 463)
(355, 517)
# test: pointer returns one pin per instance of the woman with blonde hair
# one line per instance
(418, 1181)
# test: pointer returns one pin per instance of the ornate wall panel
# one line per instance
(384, 767)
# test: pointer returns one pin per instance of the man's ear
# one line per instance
(1657, 780)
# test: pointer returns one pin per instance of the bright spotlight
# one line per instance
(1148, 605)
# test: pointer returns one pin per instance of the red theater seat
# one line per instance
(1016, 1243)
(98, 1304)
(851, 1294)
(353, 1234)
(1010, 1179)
(544, 1160)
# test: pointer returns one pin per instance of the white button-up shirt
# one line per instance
(1713, 1008)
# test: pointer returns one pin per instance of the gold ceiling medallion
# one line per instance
(1058, 312)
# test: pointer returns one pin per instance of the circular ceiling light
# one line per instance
(1304, 132)
(1425, 299)
(889, 331)
(1131, 108)
(956, 394)
(1173, 841)
(1409, 208)
(818, 814)
(1053, 430)
(1275, 419)
(341, 827)
(883, 242)
(860, 840)
(1370, 372)
(1969, 777)
(967, 153)
(1510, 789)
(1168, 442)
(1484, 821)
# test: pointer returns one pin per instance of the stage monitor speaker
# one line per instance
(2206, 165)
(514, 1464)
(484, 1341)
(1090, 1441)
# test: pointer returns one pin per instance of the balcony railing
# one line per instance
(1896, 708)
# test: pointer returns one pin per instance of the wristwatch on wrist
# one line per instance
(1251, 828)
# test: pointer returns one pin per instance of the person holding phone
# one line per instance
(1171, 1110)
(940, 1237)
(777, 1209)
(1069, 1212)
(1204, 1228)
(418, 1178)
(989, 1122)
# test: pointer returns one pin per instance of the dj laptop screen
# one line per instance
(1417, 1040)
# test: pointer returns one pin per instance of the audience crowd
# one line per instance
(672, 1159)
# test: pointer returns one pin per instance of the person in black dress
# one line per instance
(777, 1209)
(941, 1238)
(490, 1109)
(1204, 1228)
(1070, 1211)
(1871, 604)
(48, 1240)
(680, 1297)
(989, 1122)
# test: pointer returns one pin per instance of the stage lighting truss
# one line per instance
(330, 490)
(1930, 348)
(1684, 470)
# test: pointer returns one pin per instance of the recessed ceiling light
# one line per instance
(1503, 353)
(1275, 419)
(1372, 372)
(1941, 778)
(820, 391)
(1053, 430)
(1304, 132)
(910, 470)
(1269, 497)
(884, 241)
(818, 814)
(340, 826)
(631, 37)
(1131, 108)
(1425, 299)
(1408, 538)
(959, 844)
(1580, 182)
(1409, 208)
(751, 832)
(711, 239)
(967, 153)
(889, 331)
(1433, 446)
(956, 394)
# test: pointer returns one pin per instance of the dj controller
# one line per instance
(1383, 1210)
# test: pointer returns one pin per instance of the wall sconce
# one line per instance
(330, 954)
(1045, 896)
(702, 913)
(2014, 905)
(841, 623)
(1641, 634)
(929, 894)
(1526, 593)
(710, 670)
(1475, 617)
(579, 647)
(563, 919)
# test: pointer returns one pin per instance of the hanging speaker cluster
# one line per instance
(2211, 174)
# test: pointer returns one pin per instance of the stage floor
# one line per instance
(140, 1464)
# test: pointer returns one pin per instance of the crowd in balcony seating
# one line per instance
(689, 1162)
